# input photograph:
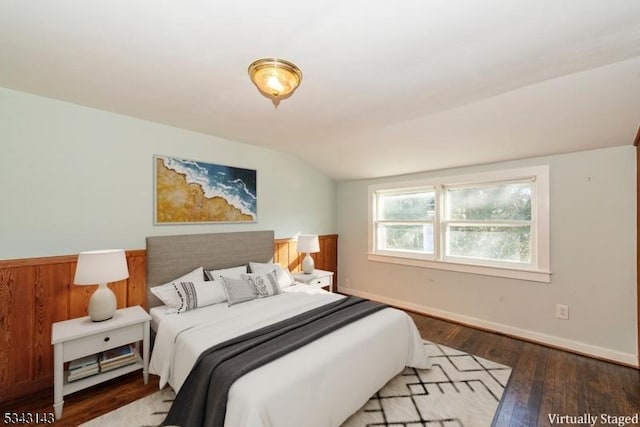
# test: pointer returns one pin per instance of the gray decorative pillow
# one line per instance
(238, 290)
(266, 284)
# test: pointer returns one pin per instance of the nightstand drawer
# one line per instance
(321, 281)
(102, 341)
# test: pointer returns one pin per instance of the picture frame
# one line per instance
(197, 192)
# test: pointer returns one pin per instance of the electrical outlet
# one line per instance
(562, 311)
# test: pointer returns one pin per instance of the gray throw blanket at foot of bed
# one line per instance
(202, 400)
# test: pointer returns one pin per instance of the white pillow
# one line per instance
(233, 273)
(167, 292)
(194, 294)
(284, 276)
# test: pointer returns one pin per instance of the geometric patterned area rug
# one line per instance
(460, 390)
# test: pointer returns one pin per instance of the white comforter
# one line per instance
(320, 384)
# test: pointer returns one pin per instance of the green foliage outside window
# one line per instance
(408, 237)
(412, 206)
(511, 202)
(407, 207)
(508, 204)
(499, 243)
(487, 221)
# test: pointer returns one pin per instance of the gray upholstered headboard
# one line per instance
(169, 257)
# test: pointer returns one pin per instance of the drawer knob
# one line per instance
(106, 339)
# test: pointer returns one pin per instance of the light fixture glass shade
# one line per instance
(99, 268)
(310, 244)
(276, 78)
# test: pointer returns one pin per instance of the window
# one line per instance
(405, 221)
(494, 223)
(490, 222)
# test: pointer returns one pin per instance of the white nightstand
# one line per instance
(318, 279)
(76, 338)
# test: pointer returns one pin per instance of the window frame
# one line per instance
(538, 270)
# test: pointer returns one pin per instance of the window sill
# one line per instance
(529, 275)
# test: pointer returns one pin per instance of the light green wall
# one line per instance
(593, 260)
(74, 178)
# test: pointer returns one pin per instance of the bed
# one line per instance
(319, 384)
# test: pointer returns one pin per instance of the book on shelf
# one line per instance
(117, 357)
(117, 364)
(122, 352)
(84, 369)
(77, 374)
(84, 362)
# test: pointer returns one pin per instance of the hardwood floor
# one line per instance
(86, 404)
(544, 382)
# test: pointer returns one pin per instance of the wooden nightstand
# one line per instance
(76, 338)
(318, 279)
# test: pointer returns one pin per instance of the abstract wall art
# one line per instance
(188, 191)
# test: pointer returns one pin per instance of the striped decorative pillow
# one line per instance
(284, 276)
(167, 293)
(196, 294)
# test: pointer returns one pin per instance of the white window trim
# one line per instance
(539, 271)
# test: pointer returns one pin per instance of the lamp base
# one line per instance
(307, 264)
(102, 304)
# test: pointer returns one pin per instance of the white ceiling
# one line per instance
(389, 87)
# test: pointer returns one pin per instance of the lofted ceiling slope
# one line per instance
(389, 87)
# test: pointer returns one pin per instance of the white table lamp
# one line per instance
(309, 244)
(101, 267)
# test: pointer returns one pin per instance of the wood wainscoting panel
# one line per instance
(36, 292)
(285, 254)
(137, 288)
(16, 320)
(31, 299)
(51, 304)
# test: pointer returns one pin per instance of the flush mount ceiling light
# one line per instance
(275, 78)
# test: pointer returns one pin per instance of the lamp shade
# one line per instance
(104, 266)
(308, 243)
(100, 268)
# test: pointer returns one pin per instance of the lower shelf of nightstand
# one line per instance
(80, 384)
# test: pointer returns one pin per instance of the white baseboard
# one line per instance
(628, 359)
